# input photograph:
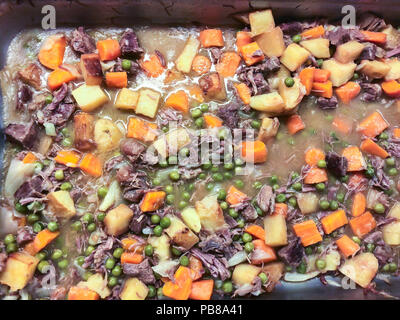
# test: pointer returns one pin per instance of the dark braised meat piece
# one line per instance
(129, 44)
(81, 42)
(31, 75)
(132, 149)
(25, 134)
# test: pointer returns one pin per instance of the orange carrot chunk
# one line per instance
(141, 130)
(396, 133)
(202, 290)
(334, 221)
(243, 91)
(295, 124)
(29, 158)
(58, 77)
(108, 49)
(242, 38)
(43, 238)
(348, 91)
(117, 79)
(323, 89)
(321, 75)
(180, 288)
(68, 157)
(152, 201)
(196, 268)
(347, 246)
(359, 204)
(316, 175)
(79, 293)
(51, 53)
(280, 208)
(201, 64)
(256, 231)
(355, 159)
(264, 253)
(373, 148)
(307, 78)
(131, 257)
(212, 121)
(313, 33)
(363, 224)
(235, 196)
(251, 53)
(254, 151)
(179, 101)
(391, 88)
(372, 125)
(91, 165)
(375, 37)
(313, 155)
(228, 64)
(211, 38)
(308, 232)
(152, 67)
(131, 244)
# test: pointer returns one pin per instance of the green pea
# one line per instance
(217, 177)
(88, 218)
(89, 250)
(233, 213)
(204, 107)
(390, 162)
(32, 218)
(320, 62)
(67, 142)
(86, 275)
(174, 175)
(324, 204)
(38, 166)
(228, 175)
(263, 277)
(41, 255)
(37, 227)
(296, 38)
(221, 194)
(126, 64)
(52, 226)
(184, 152)
(165, 222)
(91, 227)
(42, 266)
(383, 136)
(190, 187)
(158, 230)
(355, 76)
(118, 253)
(273, 179)
(112, 281)
(227, 287)
(249, 247)
(275, 187)
(370, 247)
(199, 122)
(297, 186)
(80, 260)
(148, 250)
(308, 251)
(175, 251)
(379, 208)
(259, 211)
(155, 219)
(11, 247)
(110, 263)
(62, 264)
(240, 223)
(182, 204)
(321, 164)
(66, 186)
(210, 186)
(370, 172)
(345, 178)
(59, 174)
(184, 261)
(163, 163)
(9, 238)
(239, 184)
(238, 171)
(302, 268)
(280, 198)
(57, 254)
(246, 237)
(334, 205)
(392, 172)
(293, 202)
(392, 267)
(196, 113)
(152, 291)
(76, 226)
(257, 185)
(289, 82)
(101, 216)
(320, 264)
(117, 271)
(170, 199)
(356, 240)
(255, 124)
(48, 99)
(340, 197)
(20, 208)
(320, 186)
(295, 175)
(186, 196)
(214, 169)
(223, 205)
(169, 189)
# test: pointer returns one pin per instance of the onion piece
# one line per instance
(299, 277)
(113, 197)
(17, 174)
(237, 258)
(164, 267)
(50, 129)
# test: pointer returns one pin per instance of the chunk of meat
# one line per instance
(30, 190)
(31, 75)
(24, 95)
(25, 134)
(129, 43)
(265, 199)
(81, 42)
(132, 149)
(141, 270)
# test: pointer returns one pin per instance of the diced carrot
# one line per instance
(359, 204)
(201, 64)
(202, 290)
(131, 257)
(307, 78)
(242, 38)
(316, 175)
(363, 224)
(396, 133)
(308, 232)
(29, 158)
(313, 155)
(58, 77)
(251, 53)
(266, 255)
(355, 159)
(391, 88)
(179, 101)
(348, 91)
(256, 231)
(80, 293)
(152, 67)
(180, 288)
(375, 37)
(313, 33)
(212, 121)
(68, 157)
(321, 75)
(30, 248)
(211, 38)
(347, 246)
(372, 125)
(91, 165)
(373, 148)
(108, 49)
(295, 124)
(51, 53)
(196, 268)
(235, 196)
(228, 64)
(141, 130)
(43, 238)
(254, 151)
(323, 89)
(342, 125)
(131, 244)
(243, 91)
(196, 93)
(334, 221)
(152, 201)
(117, 79)
(281, 208)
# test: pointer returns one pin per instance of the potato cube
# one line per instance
(89, 98)
(271, 103)
(245, 274)
(184, 62)
(213, 86)
(271, 42)
(19, 270)
(308, 202)
(340, 72)
(172, 142)
(106, 135)
(180, 234)
(134, 289)
(293, 95)
(91, 69)
(394, 72)
(361, 269)
(210, 213)
(117, 220)
(392, 37)
(395, 211)
(348, 51)
(374, 69)
(148, 101)
(161, 247)
(261, 21)
(191, 219)
(96, 283)
(61, 204)
(391, 233)
(275, 230)
(269, 129)
(294, 56)
(127, 99)
(319, 47)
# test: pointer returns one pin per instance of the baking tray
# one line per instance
(17, 15)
